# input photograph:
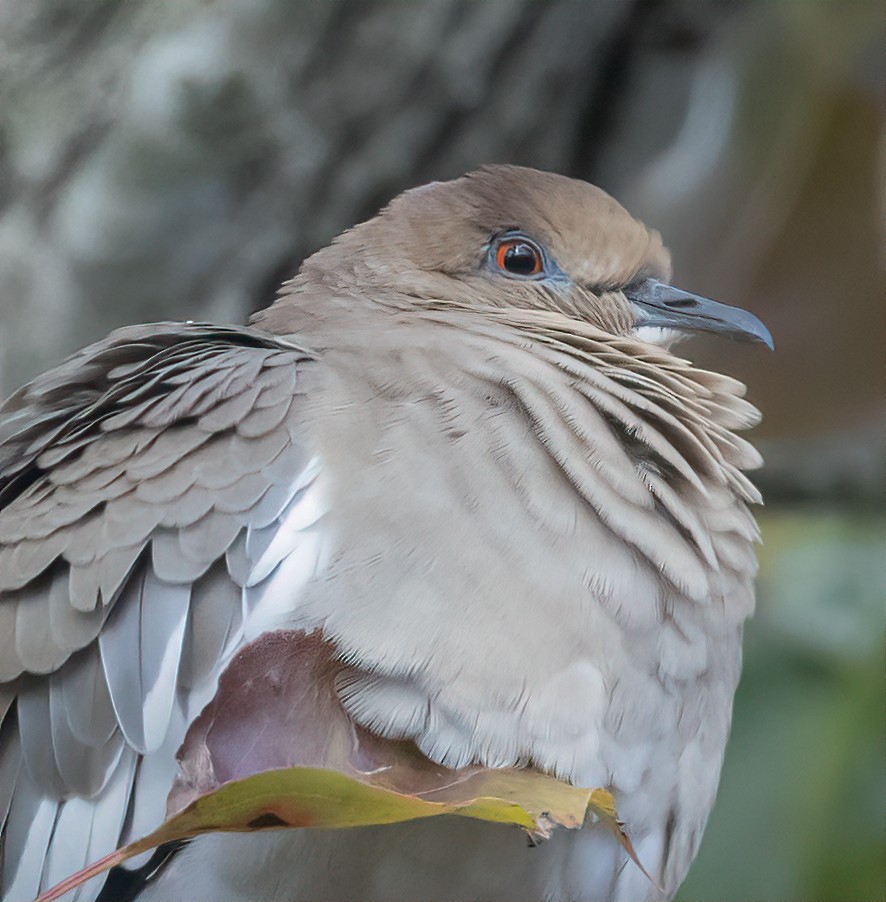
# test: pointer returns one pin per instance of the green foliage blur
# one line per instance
(800, 813)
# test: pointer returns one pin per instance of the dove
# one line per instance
(458, 446)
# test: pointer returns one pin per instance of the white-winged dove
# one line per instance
(458, 444)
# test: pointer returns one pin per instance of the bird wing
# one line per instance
(157, 510)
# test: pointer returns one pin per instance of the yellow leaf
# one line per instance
(275, 749)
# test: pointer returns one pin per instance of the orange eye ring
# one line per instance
(519, 257)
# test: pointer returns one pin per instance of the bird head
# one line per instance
(507, 238)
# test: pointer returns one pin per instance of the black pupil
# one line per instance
(521, 259)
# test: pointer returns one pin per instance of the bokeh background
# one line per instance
(178, 158)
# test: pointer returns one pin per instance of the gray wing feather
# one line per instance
(34, 726)
(33, 628)
(89, 827)
(85, 697)
(210, 537)
(302, 512)
(108, 818)
(10, 761)
(69, 628)
(168, 560)
(147, 624)
(10, 665)
(135, 480)
(153, 779)
(76, 821)
(26, 839)
(215, 616)
(84, 767)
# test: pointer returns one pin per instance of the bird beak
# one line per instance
(658, 304)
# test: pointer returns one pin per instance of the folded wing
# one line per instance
(157, 509)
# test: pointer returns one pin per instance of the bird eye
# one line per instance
(519, 257)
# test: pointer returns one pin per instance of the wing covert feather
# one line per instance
(131, 479)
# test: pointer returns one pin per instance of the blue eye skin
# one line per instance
(517, 256)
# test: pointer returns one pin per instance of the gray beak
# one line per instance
(662, 305)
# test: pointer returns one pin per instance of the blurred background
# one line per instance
(179, 158)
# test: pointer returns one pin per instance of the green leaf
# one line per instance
(315, 797)
(275, 749)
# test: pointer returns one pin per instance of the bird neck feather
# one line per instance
(652, 399)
